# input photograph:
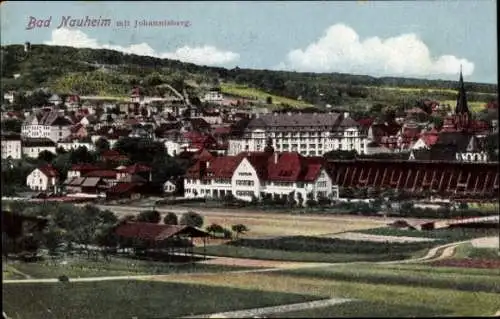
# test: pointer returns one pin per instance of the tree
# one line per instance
(191, 219)
(239, 229)
(149, 216)
(171, 219)
(215, 229)
(46, 156)
(269, 100)
(102, 145)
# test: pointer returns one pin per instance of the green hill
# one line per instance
(112, 73)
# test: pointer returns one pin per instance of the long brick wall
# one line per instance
(453, 179)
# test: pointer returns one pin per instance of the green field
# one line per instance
(471, 252)
(364, 309)
(442, 236)
(473, 106)
(252, 93)
(484, 281)
(318, 249)
(82, 267)
(128, 299)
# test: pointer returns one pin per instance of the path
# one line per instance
(256, 312)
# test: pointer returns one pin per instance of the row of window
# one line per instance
(245, 183)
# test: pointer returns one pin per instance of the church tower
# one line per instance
(462, 113)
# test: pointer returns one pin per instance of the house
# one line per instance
(44, 178)
(86, 186)
(259, 175)
(32, 147)
(169, 187)
(213, 96)
(72, 102)
(79, 131)
(113, 156)
(9, 96)
(426, 140)
(11, 146)
(71, 143)
(127, 173)
(55, 99)
(454, 146)
(124, 191)
(79, 170)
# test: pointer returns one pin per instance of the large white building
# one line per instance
(48, 124)
(258, 175)
(309, 134)
(11, 147)
(33, 147)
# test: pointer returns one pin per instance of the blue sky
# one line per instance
(425, 39)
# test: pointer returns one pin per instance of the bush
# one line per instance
(170, 219)
(149, 216)
(191, 219)
(63, 278)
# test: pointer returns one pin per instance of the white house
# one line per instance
(44, 178)
(169, 187)
(69, 144)
(11, 147)
(310, 134)
(33, 147)
(9, 96)
(213, 96)
(259, 175)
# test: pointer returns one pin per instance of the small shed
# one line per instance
(160, 236)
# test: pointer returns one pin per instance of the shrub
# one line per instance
(170, 219)
(191, 219)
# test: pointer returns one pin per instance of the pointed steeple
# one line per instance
(461, 107)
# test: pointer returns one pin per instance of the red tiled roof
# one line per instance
(122, 188)
(429, 139)
(366, 122)
(84, 167)
(289, 166)
(222, 130)
(101, 173)
(136, 168)
(49, 171)
(156, 232)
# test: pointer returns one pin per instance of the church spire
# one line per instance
(461, 107)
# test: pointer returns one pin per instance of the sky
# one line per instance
(419, 39)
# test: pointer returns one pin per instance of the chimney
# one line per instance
(276, 157)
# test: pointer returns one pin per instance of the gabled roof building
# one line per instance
(258, 175)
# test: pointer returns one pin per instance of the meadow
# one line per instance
(129, 299)
(81, 267)
(257, 94)
(435, 295)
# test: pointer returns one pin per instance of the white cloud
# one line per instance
(341, 50)
(206, 55)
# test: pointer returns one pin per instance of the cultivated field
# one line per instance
(270, 224)
(473, 106)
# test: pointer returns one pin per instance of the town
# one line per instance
(200, 173)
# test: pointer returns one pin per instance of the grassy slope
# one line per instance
(116, 267)
(132, 299)
(433, 300)
(406, 277)
(276, 254)
(252, 93)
